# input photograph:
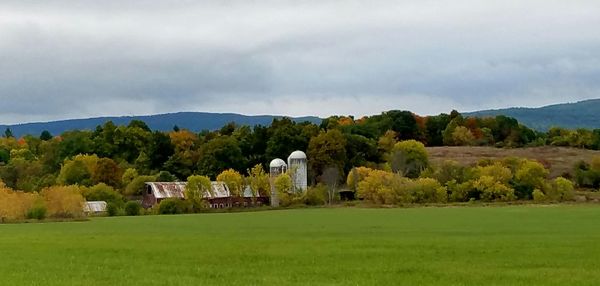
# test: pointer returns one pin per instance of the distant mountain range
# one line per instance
(194, 121)
(583, 114)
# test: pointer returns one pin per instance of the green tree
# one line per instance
(8, 133)
(284, 137)
(219, 154)
(435, 126)
(74, 172)
(102, 192)
(325, 150)
(409, 158)
(197, 186)
(128, 176)
(165, 176)
(136, 186)
(462, 136)
(45, 135)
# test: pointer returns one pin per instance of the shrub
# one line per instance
(538, 196)
(102, 192)
(15, 205)
(492, 190)
(560, 189)
(112, 209)
(427, 190)
(497, 171)
(37, 212)
(355, 176)
(529, 176)
(462, 192)
(63, 201)
(316, 196)
(132, 208)
(447, 171)
(172, 206)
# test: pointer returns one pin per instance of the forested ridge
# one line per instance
(583, 114)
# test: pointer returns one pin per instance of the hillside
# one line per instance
(583, 114)
(194, 121)
(559, 160)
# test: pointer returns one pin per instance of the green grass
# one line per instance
(516, 245)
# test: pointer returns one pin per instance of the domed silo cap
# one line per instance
(297, 155)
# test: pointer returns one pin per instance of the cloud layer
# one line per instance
(63, 59)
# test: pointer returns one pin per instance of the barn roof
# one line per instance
(163, 190)
(94, 207)
(218, 190)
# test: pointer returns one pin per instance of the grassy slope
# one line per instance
(559, 160)
(530, 245)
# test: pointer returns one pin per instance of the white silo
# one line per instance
(298, 170)
(276, 168)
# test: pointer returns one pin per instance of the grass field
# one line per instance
(559, 160)
(516, 245)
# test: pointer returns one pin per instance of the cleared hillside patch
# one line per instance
(559, 160)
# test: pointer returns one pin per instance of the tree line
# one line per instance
(121, 158)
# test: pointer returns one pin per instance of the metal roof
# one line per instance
(94, 207)
(163, 190)
(218, 190)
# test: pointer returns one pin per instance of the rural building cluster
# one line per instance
(219, 196)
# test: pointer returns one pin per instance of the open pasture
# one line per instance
(515, 245)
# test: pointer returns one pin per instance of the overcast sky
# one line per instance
(72, 59)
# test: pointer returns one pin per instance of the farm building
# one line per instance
(218, 197)
(94, 207)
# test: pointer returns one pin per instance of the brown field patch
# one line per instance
(559, 160)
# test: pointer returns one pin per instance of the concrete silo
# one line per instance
(298, 171)
(276, 168)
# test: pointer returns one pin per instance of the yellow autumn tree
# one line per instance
(234, 181)
(258, 180)
(63, 201)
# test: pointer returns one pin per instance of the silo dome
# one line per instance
(277, 163)
(297, 155)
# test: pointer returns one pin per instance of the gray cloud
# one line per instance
(62, 59)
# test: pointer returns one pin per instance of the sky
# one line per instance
(82, 58)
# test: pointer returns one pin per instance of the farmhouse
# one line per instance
(218, 197)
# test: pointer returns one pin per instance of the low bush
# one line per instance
(316, 196)
(37, 212)
(173, 206)
(132, 208)
(112, 209)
